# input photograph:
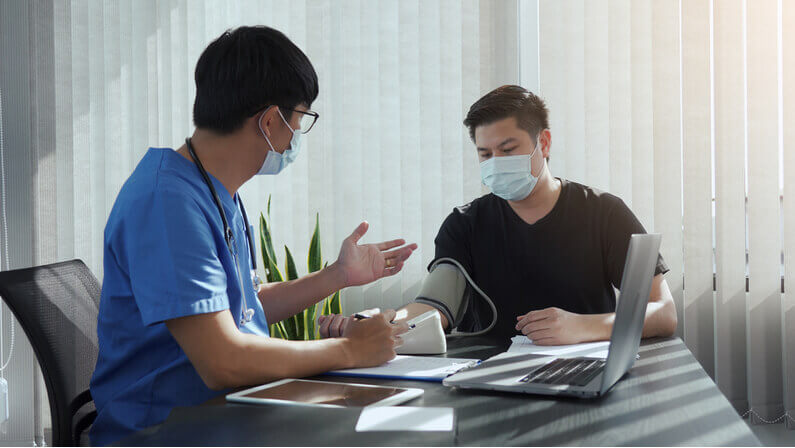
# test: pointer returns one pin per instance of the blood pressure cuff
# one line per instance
(445, 289)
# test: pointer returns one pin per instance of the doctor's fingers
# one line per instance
(401, 254)
(386, 245)
(399, 328)
(390, 271)
(389, 315)
(397, 341)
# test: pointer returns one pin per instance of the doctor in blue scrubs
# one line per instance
(183, 317)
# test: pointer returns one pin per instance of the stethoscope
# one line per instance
(248, 313)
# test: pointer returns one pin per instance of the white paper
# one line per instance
(414, 367)
(598, 350)
(405, 418)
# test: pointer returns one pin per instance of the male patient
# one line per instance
(547, 251)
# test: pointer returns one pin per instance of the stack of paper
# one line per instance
(521, 344)
(405, 418)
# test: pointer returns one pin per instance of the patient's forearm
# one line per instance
(598, 327)
(414, 309)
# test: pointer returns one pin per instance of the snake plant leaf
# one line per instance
(283, 330)
(335, 305)
(310, 322)
(265, 233)
(308, 327)
(298, 322)
(290, 328)
(289, 265)
(316, 312)
(274, 274)
(264, 245)
(275, 331)
(315, 258)
(298, 319)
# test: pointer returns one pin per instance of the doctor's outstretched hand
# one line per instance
(359, 264)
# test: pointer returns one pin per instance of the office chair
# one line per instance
(57, 307)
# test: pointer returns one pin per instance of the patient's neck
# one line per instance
(541, 200)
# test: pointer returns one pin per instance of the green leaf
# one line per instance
(269, 206)
(291, 328)
(335, 306)
(307, 326)
(310, 315)
(275, 331)
(274, 275)
(289, 265)
(265, 234)
(263, 226)
(282, 330)
(300, 329)
(315, 258)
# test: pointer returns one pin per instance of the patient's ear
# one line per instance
(546, 142)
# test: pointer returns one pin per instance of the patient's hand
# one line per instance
(334, 325)
(553, 326)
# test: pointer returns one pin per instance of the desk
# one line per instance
(665, 399)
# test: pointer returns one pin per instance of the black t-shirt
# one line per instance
(570, 259)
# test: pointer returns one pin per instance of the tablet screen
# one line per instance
(318, 392)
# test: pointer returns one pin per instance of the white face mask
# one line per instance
(275, 162)
(510, 177)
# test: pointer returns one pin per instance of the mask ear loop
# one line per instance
(259, 125)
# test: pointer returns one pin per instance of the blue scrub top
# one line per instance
(165, 257)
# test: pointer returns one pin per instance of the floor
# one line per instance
(774, 435)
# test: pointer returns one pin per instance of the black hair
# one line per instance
(509, 101)
(246, 70)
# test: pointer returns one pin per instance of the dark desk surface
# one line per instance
(665, 399)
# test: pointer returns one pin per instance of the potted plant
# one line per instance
(301, 326)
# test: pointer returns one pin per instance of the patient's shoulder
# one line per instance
(586, 195)
(472, 210)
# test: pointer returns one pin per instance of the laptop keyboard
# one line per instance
(569, 371)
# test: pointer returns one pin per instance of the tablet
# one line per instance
(325, 394)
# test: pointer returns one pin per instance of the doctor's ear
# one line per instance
(265, 120)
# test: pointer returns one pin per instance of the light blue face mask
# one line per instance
(275, 162)
(510, 177)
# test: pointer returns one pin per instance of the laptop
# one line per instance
(578, 376)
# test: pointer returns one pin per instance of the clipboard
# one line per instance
(415, 368)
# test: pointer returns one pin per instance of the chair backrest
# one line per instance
(57, 306)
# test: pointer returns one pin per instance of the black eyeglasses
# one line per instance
(308, 119)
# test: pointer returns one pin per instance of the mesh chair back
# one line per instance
(57, 307)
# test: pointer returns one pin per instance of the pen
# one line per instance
(358, 316)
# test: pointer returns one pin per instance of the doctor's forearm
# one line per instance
(259, 360)
(284, 299)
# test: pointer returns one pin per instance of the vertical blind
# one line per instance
(678, 108)
(109, 78)
(396, 78)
